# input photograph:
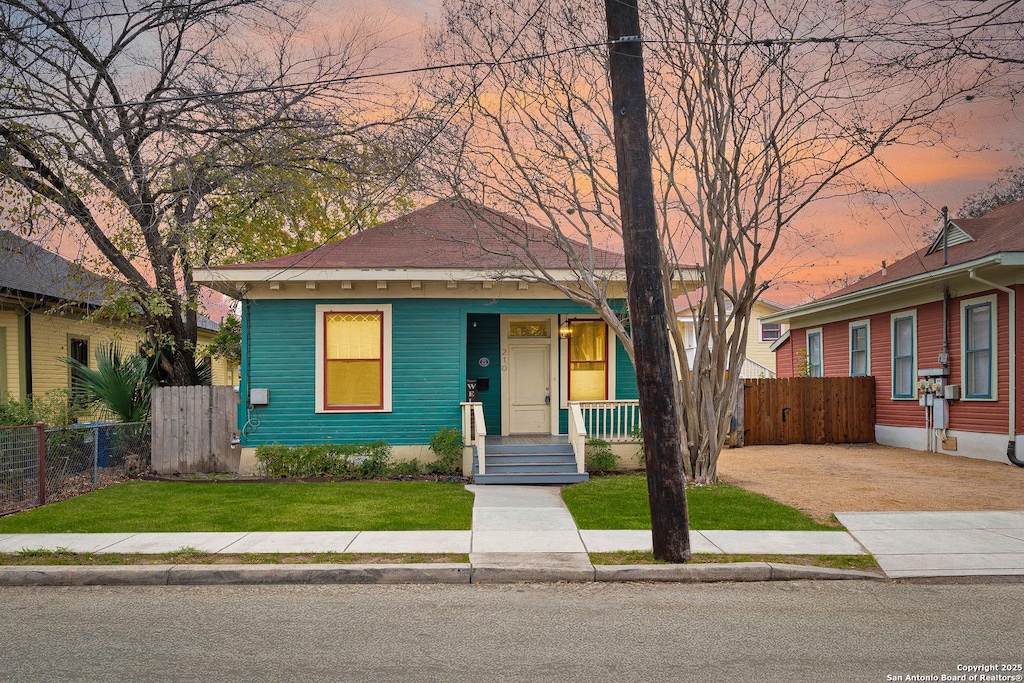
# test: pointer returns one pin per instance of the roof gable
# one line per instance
(998, 232)
(950, 235)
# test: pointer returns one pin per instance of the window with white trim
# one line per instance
(978, 348)
(860, 344)
(815, 361)
(353, 353)
(770, 331)
(588, 360)
(904, 355)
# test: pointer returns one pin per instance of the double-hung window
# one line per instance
(904, 362)
(588, 360)
(770, 331)
(815, 362)
(353, 358)
(978, 343)
(860, 356)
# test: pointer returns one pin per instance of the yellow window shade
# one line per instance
(354, 383)
(588, 385)
(588, 362)
(353, 336)
(589, 340)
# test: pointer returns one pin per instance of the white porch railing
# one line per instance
(612, 421)
(578, 436)
(753, 370)
(474, 431)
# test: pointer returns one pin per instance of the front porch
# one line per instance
(545, 458)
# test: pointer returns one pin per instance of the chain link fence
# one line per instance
(77, 459)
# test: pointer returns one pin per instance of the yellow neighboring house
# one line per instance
(45, 307)
(760, 359)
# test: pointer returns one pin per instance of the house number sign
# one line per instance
(484, 362)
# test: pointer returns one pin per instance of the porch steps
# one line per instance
(528, 464)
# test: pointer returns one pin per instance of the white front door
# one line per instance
(530, 387)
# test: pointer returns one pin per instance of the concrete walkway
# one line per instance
(921, 544)
(526, 532)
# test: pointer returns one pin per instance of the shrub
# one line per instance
(599, 456)
(447, 446)
(53, 408)
(352, 460)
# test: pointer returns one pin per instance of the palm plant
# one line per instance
(121, 386)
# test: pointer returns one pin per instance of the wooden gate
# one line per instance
(193, 429)
(812, 410)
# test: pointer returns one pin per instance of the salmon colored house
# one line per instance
(941, 332)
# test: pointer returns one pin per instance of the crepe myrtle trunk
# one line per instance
(666, 482)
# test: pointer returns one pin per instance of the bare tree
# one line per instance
(757, 111)
(133, 119)
(1007, 189)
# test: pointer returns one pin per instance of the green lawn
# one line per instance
(620, 502)
(143, 506)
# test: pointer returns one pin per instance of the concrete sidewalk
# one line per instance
(526, 533)
(931, 544)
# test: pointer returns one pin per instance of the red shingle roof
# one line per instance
(447, 234)
(997, 232)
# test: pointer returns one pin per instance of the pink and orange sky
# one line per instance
(859, 232)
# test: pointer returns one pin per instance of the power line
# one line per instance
(490, 64)
(317, 250)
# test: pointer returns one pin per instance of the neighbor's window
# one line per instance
(903, 366)
(78, 350)
(770, 331)
(859, 350)
(815, 366)
(353, 360)
(978, 353)
(588, 360)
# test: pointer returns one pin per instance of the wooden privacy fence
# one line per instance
(193, 429)
(813, 410)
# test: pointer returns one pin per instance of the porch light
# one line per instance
(565, 330)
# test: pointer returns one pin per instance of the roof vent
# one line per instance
(956, 236)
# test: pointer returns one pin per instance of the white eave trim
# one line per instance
(232, 277)
(780, 341)
(814, 308)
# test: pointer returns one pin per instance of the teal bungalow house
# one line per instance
(436, 319)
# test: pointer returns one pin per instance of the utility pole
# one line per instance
(666, 483)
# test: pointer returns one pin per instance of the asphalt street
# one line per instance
(785, 631)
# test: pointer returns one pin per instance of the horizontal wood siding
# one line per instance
(968, 416)
(484, 341)
(1020, 360)
(429, 367)
(982, 416)
(784, 359)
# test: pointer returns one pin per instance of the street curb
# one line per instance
(685, 573)
(441, 573)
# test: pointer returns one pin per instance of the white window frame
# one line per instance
(563, 360)
(992, 301)
(385, 311)
(893, 317)
(866, 324)
(821, 351)
(760, 332)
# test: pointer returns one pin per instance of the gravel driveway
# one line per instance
(821, 480)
